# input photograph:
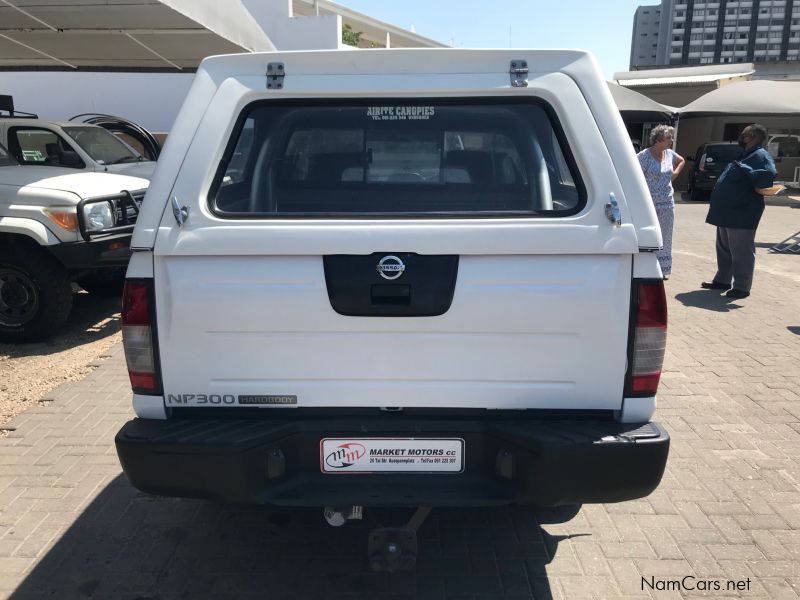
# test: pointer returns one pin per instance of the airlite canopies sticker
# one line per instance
(400, 113)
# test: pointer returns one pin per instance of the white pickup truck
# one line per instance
(396, 277)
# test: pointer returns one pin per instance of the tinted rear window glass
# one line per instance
(392, 159)
(723, 153)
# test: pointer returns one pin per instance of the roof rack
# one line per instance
(7, 105)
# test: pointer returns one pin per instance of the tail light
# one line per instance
(701, 164)
(649, 342)
(138, 336)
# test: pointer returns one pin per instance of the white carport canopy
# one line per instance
(759, 97)
(634, 105)
(124, 34)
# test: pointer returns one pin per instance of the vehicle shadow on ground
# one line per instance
(708, 299)
(794, 329)
(131, 546)
(92, 318)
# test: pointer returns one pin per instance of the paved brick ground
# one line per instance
(727, 510)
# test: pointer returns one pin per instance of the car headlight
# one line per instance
(98, 216)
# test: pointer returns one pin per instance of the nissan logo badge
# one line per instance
(390, 267)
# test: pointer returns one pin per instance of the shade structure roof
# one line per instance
(636, 106)
(757, 97)
(124, 34)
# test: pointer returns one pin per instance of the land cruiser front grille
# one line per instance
(125, 213)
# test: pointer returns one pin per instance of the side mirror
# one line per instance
(70, 159)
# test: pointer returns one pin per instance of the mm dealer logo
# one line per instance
(345, 455)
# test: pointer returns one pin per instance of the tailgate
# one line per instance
(428, 252)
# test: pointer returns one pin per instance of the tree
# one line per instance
(350, 37)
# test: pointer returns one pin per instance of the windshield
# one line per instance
(5, 157)
(103, 146)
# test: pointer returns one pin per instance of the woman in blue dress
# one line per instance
(660, 165)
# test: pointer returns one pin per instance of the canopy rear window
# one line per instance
(384, 159)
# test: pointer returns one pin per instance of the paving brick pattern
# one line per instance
(728, 509)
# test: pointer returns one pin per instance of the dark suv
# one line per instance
(709, 163)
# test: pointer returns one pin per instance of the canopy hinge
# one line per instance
(519, 73)
(275, 75)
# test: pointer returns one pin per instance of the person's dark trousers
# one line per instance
(736, 257)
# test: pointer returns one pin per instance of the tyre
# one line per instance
(695, 194)
(104, 282)
(35, 295)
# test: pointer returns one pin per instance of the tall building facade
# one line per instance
(644, 43)
(727, 31)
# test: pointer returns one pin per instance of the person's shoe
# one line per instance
(737, 294)
(714, 285)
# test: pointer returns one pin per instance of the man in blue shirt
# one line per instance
(736, 208)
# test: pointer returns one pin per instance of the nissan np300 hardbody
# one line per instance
(396, 277)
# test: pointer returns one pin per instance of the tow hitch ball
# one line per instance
(338, 516)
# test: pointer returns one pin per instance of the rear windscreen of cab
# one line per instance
(391, 158)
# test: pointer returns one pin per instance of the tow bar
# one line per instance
(389, 549)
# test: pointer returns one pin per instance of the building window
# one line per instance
(712, 12)
(696, 36)
(710, 36)
(680, 13)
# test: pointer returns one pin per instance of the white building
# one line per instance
(644, 41)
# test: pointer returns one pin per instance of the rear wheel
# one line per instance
(695, 194)
(104, 282)
(35, 295)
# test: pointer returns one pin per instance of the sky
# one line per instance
(602, 27)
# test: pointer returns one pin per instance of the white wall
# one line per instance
(288, 32)
(150, 99)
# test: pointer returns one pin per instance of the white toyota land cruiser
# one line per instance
(396, 277)
(59, 226)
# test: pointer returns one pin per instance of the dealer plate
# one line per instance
(391, 455)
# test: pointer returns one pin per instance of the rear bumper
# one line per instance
(543, 462)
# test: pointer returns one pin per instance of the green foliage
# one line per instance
(350, 37)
